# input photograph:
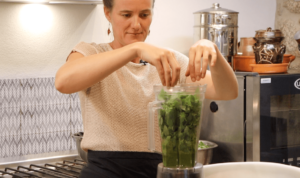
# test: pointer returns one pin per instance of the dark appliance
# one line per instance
(262, 124)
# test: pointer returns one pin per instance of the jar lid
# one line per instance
(269, 33)
(216, 9)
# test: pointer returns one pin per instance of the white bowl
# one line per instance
(250, 170)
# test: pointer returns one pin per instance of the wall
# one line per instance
(36, 39)
(287, 19)
(178, 15)
(35, 118)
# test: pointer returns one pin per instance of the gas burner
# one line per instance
(65, 169)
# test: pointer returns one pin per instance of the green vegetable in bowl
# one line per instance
(178, 122)
(202, 145)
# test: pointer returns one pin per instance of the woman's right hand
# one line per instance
(164, 60)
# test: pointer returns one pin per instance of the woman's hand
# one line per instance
(203, 49)
(164, 60)
(221, 80)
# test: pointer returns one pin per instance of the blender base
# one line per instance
(165, 172)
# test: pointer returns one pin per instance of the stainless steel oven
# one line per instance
(262, 124)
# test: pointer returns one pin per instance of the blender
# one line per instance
(178, 111)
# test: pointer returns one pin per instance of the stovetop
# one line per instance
(63, 169)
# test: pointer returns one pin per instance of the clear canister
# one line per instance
(178, 110)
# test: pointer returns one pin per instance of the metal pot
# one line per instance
(204, 155)
(78, 137)
(268, 48)
(220, 26)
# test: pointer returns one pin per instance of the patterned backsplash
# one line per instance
(36, 118)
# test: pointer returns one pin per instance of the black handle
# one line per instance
(214, 107)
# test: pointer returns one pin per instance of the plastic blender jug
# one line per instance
(178, 111)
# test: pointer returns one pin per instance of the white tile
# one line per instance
(10, 146)
(36, 117)
(10, 122)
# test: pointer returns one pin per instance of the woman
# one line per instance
(115, 88)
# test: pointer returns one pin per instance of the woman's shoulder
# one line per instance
(91, 48)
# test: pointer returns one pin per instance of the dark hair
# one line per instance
(110, 3)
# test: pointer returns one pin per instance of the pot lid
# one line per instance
(216, 9)
(269, 33)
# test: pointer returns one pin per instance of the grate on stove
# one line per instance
(66, 169)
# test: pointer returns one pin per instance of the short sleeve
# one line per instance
(86, 49)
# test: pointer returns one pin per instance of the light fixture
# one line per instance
(75, 2)
(36, 18)
(55, 1)
(26, 1)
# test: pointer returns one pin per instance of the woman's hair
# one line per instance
(110, 3)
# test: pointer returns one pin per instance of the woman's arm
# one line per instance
(221, 80)
(81, 72)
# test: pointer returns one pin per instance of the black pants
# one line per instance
(111, 164)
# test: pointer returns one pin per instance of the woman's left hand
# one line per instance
(203, 49)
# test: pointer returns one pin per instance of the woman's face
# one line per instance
(130, 21)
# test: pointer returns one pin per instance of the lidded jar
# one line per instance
(268, 48)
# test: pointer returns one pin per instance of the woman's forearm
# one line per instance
(223, 79)
(80, 73)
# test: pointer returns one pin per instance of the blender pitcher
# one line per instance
(178, 111)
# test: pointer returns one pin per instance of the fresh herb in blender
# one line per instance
(178, 121)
